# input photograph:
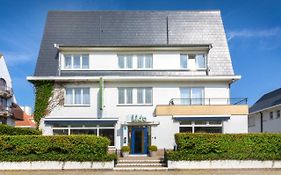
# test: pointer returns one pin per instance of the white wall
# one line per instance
(236, 124)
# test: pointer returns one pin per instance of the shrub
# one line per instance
(226, 146)
(9, 130)
(51, 148)
(125, 149)
(152, 148)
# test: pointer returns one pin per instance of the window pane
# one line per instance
(86, 96)
(148, 95)
(200, 61)
(197, 96)
(140, 96)
(140, 61)
(183, 60)
(185, 96)
(76, 61)
(109, 133)
(186, 123)
(69, 96)
(77, 99)
(214, 122)
(60, 131)
(67, 61)
(148, 61)
(121, 61)
(208, 129)
(129, 95)
(83, 131)
(121, 96)
(186, 129)
(200, 122)
(129, 61)
(85, 61)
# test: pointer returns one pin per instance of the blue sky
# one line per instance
(253, 30)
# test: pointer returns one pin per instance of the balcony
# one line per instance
(5, 111)
(203, 106)
(6, 92)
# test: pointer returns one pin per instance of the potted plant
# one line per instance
(152, 150)
(125, 151)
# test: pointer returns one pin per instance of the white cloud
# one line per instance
(250, 33)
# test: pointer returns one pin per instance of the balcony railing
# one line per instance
(5, 111)
(6, 91)
(208, 101)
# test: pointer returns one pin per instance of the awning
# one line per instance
(80, 121)
(201, 118)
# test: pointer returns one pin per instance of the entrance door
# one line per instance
(139, 140)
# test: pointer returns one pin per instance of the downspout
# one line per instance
(261, 121)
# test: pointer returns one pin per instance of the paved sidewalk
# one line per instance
(181, 172)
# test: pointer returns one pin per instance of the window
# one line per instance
(106, 130)
(76, 61)
(201, 126)
(192, 96)
(278, 114)
(77, 96)
(271, 115)
(138, 61)
(137, 96)
(192, 61)
(125, 61)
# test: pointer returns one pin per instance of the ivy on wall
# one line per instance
(44, 90)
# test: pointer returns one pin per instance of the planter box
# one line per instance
(55, 165)
(224, 164)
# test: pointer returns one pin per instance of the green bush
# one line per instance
(51, 148)
(226, 146)
(125, 149)
(9, 130)
(152, 148)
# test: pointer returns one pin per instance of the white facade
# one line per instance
(269, 122)
(160, 130)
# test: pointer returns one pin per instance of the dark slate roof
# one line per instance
(134, 28)
(270, 99)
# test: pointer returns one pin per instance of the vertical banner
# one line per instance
(101, 95)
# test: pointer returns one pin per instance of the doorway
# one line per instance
(139, 140)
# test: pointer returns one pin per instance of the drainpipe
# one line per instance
(261, 121)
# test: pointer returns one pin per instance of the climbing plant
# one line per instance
(43, 92)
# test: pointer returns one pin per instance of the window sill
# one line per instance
(126, 105)
(76, 105)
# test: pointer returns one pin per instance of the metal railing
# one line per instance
(6, 89)
(208, 101)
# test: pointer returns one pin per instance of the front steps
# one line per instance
(142, 163)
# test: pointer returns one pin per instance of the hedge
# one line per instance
(226, 147)
(54, 148)
(9, 130)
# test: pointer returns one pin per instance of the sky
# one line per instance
(253, 29)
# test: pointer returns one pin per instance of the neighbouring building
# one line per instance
(9, 110)
(28, 120)
(138, 77)
(265, 113)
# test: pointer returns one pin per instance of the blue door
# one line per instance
(139, 140)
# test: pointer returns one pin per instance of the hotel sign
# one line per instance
(138, 118)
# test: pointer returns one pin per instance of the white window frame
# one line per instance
(134, 57)
(72, 61)
(193, 125)
(189, 64)
(190, 93)
(73, 97)
(135, 96)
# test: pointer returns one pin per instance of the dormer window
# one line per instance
(76, 61)
(135, 61)
(193, 61)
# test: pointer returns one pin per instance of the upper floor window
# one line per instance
(77, 96)
(139, 61)
(76, 61)
(193, 61)
(137, 96)
(192, 96)
(278, 114)
(271, 115)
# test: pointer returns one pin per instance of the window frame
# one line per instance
(191, 95)
(81, 58)
(188, 66)
(135, 96)
(278, 113)
(271, 115)
(135, 58)
(73, 97)
(207, 125)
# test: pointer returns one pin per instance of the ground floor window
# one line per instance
(76, 129)
(201, 126)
